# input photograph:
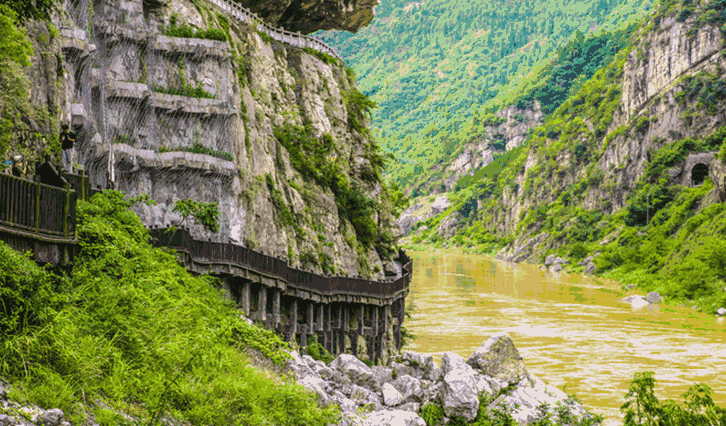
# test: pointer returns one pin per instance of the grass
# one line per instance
(131, 329)
(198, 148)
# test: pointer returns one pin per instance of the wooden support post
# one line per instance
(303, 344)
(346, 318)
(276, 308)
(293, 317)
(321, 314)
(386, 314)
(244, 302)
(371, 348)
(262, 303)
(374, 321)
(397, 327)
(328, 332)
(361, 313)
(310, 317)
(354, 343)
(376, 335)
(339, 319)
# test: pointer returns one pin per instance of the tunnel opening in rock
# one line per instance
(699, 172)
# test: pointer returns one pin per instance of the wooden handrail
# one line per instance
(36, 208)
(246, 16)
(225, 254)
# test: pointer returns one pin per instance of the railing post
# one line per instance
(37, 207)
(276, 307)
(65, 209)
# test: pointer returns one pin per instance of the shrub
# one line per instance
(27, 292)
(642, 407)
(133, 327)
(317, 351)
(432, 413)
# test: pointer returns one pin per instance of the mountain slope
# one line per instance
(431, 65)
(629, 170)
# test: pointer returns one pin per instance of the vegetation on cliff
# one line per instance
(651, 231)
(130, 330)
(432, 66)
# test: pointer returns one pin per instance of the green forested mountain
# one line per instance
(433, 65)
(627, 175)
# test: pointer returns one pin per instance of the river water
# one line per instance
(572, 331)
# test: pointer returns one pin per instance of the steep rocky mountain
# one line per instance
(433, 66)
(629, 158)
(178, 99)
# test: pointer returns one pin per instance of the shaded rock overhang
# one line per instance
(308, 16)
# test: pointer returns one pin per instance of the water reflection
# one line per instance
(572, 331)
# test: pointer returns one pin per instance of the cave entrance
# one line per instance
(699, 172)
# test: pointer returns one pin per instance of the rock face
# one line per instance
(498, 358)
(494, 370)
(507, 135)
(116, 80)
(308, 16)
(421, 211)
(673, 58)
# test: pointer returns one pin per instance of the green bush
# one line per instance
(432, 413)
(642, 407)
(185, 31)
(317, 351)
(28, 293)
(134, 330)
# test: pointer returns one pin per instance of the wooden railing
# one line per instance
(30, 209)
(222, 253)
(281, 35)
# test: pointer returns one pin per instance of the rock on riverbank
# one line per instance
(14, 414)
(394, 394)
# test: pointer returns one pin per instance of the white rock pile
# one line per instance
(371, 396)
(14, 414)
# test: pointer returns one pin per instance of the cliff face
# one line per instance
(507, 135)
(672, 88)
(308, 16)
(215, 121)
(668, 85)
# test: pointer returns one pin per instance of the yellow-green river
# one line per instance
(572, 331)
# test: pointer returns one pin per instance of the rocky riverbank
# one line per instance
(410, 388)
(396, 394)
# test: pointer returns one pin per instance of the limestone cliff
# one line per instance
(237, 122)
(669, 84)
(508, 132)
(672, 88)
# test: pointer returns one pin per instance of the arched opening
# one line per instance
(698, 174)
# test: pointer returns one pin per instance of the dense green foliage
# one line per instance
(30, 9)
(131, 330)
(437, 69)
(15, 49)
(184, 88)
(642, 407)
(317, 160)
(185, 31)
